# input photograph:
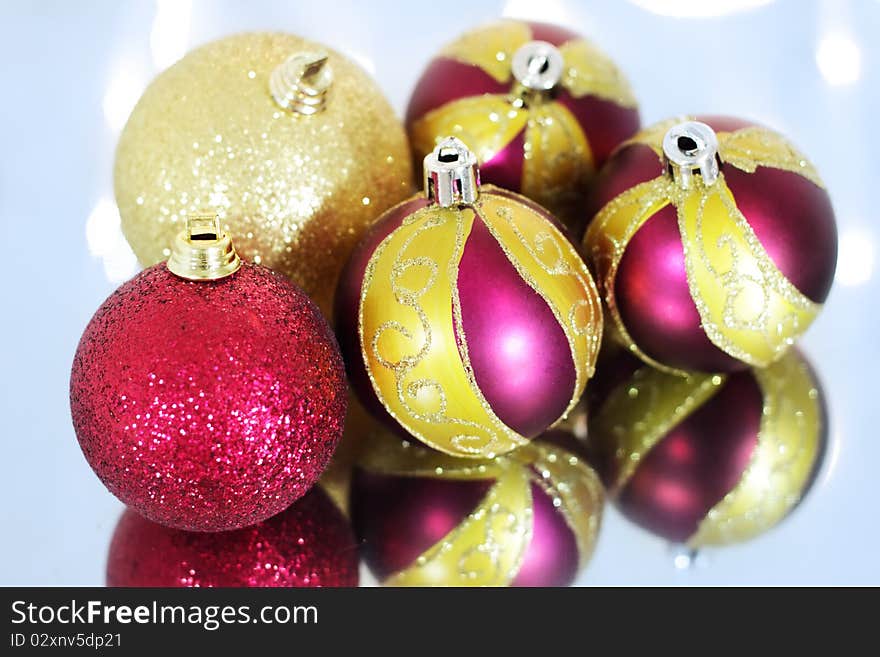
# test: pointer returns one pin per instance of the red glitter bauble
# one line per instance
(208, 405)
(309, 544)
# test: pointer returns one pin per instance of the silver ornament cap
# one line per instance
(538, 65)
(690, 148)
(452, 176)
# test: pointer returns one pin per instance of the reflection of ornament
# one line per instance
(290, 142)
(359, 426)
(541, 107)
(209, 398)
(309, 544)
(475, 317)
(528, 518)
(708, 459)
(711, 268)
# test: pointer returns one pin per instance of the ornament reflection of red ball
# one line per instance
(540, 106)
(308, 545)
(528, 518)
(706, 266)
(468, 319)
(209, 399)
(708, 459)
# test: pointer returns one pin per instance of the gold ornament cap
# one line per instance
(202, 251)
(301, 83)
(452, 176)
(690, 148)
(538, 65)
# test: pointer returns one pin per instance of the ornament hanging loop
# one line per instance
(202, 251)
(538, 66)
(691, 148)
(301, 83)
(452, 176)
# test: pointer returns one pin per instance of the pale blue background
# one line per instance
(71, 71)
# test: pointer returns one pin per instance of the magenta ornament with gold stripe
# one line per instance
(541, 107)
(707, 459)
(528, 518)
(714, 244)
(468, 319)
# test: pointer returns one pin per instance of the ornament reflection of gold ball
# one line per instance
(295, 187)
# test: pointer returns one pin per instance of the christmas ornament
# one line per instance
(541, 107)
(359, 425)
(528, 518)
(290, 142)
(714, 244)
(309, 544)
(207, 394)
(708, 459)
(467, 316)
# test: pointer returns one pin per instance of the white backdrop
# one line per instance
(72, 71)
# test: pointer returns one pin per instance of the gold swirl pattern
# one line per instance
(409, 343)
(747, 306)
(487, 548)
(413, 343)
(575, 489)
(789, 444)
(546, 260)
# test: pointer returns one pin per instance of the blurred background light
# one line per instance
(362, 60)
(106, 241)
(839, 59)
(855, 257)
(546, 11)
(699, 8)
(126, 84)
(169, 37)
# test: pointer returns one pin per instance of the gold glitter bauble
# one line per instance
(295, 187)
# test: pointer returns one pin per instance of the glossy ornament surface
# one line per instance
(715, 270)
(708, 459)
(528, 518)
(291, 143)
(540, 106)
(309, 544)
(472, 325)
(208, 404)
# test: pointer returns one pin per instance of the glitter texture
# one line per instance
(290, 189)
(546, 145)
(707, 460)
(310, 544)
(412, 308)
(713, 277)
(527, 518)
(208, 405)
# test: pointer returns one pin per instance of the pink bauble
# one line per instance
(736, 454)
(413, 511)
(788, 212)
(574, 123)
(208, 405)
(519, 351)
(308, 545)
